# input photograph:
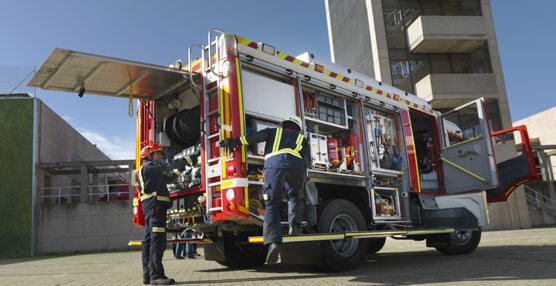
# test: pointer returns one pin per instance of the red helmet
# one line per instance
(149, 149)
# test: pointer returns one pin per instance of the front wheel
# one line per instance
(462, 242)
(341, 216)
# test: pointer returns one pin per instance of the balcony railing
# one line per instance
(95, 193)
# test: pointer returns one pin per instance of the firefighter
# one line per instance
(287, 156)
(154, 174)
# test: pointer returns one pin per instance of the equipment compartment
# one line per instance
(386, 203)
(384, 140)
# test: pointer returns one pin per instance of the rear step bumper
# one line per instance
(353, 235)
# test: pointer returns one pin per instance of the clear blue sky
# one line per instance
(160, 32)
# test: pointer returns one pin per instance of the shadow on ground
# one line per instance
(487, 263)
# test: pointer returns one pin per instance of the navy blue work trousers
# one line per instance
(275, 180)
(154, 242)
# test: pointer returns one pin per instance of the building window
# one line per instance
(75, 158)
(450, 7)
(400, 67)
(480, 60)
(459, 63)
(493, 115)
(440, 63)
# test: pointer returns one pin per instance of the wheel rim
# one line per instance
(340, 224)
(462, 237)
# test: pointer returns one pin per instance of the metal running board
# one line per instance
(352, 235)
(183, 240)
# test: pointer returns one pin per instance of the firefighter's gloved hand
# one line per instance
(178, 156)
(232, 143)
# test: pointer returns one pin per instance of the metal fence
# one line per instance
(95, 193)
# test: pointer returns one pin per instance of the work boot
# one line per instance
(163, 281)
(294, 230)
(273, 252)
(146, 280)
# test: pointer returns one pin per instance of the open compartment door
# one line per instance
(467, 155)
(516, 167)
(78, 72)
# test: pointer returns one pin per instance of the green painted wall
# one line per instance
(16, 176)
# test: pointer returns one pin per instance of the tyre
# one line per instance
(462, 242)
(340, 216)
(239, 253)
(375, 245)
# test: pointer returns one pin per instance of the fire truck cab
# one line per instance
(384, 163)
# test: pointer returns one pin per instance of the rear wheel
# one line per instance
(462, 242)
(340, 216)
(239, 253)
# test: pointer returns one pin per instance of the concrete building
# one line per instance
(541, 126)
(47, 208)
(542, 194)
(444, 51)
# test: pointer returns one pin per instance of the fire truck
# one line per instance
(384, 163)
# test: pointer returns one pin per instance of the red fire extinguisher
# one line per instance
(138, 217)
(352, 141)
(340, 141)
(333, 155)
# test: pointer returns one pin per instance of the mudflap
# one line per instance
(302, 253)
(215, 251)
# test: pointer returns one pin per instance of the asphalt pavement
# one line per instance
(516, 257)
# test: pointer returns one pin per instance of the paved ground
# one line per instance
(522, 257)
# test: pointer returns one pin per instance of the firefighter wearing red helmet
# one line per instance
(287, 156)
(154, 174)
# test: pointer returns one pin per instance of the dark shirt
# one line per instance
(287, 140)
(155, 175)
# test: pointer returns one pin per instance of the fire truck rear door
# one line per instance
(467, 155)
(72, 71)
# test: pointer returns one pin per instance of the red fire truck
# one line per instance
(384, 163)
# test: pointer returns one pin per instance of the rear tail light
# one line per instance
(230, 194)
(231, 207)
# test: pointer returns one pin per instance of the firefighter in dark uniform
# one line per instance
(287, 156)
(154, 174)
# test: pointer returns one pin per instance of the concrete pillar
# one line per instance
(84, 176)
(95, 190)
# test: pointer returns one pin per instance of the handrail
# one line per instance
(537, 193)
(540, 204)
(90, 193)
(210, 52)
(189, 59)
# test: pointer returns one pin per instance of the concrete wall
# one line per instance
(511, 214)
(86, 227)
(57, 142)
(349, 36)
(451, 90)
(446, 34)
(541, 125)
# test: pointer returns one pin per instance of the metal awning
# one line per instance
(72, 71)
